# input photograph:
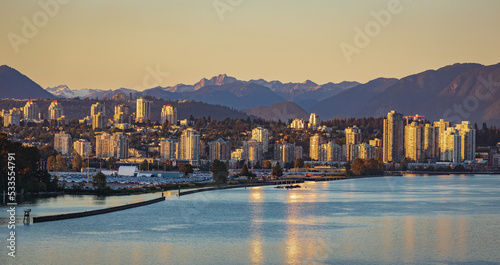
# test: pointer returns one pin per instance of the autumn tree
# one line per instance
(186, 169)
(61, 165)
(99, 181)
(219, 172)
(144, 165)
(298, 163)
(277, 171)
(77, 163)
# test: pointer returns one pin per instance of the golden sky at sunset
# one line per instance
(104, 44)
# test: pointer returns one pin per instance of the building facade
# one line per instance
(55, 110)
(190, 146)
(261, 135)
(98, 114)
(143, 111)
(313, 121)
(220, 150)
(468, 141)
(82, 147)
(314, 144)
(451, 146)
(353, 135)
(63, 143)
(284, 152)
(31, 112)
(112, 145)
(169, 113)
(122, 114)
(393, 143)
(168, 148)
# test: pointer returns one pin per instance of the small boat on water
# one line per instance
(287, 187)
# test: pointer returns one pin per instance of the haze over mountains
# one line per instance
(455, 92)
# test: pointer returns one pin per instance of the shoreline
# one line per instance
(188, 190)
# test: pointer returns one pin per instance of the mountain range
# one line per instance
(15, 85)
(455, 92)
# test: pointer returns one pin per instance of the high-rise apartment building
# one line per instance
(169, 113)
(442, 126)
(284, 152)
(379, 150)
(220, 150)
(168, 148)
(98, 115)
(119, 145)
(190, 146)
(12, 117)
(55, 110)
(102, 145)
(314, 143)
(431, 141)
(353, 135)
(313, 121)
(468, 140)
(330, 152)
(143, 112)
(298, 152)
(261, 135)
(298, 124)
(97, 108)
(31, 112)
(115, 145)
(451, 145)
(122, 114)
(82, 147)
(98, 121)
(363, 151)
(393, 143)
(63, 143)
(414, 141)
(252, 151)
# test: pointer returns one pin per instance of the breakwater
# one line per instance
(243, 186)
(57, 217)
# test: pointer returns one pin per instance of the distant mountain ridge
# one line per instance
(15, 85)
(226, 90)
(454, 92)
(283, 111)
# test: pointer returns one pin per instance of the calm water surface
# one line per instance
(394, 220)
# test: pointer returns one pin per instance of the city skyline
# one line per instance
(194, 39)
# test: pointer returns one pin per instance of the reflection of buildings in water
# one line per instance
(302, 245)
(462, 238)
(452, 237)
(164, 251)
(409, 239)
(292, 243)
(137, 252)
(387, 238)
(444, 236)
(256, 246)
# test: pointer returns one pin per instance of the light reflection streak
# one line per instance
(409, 239)
(256, 253)
(444, 236)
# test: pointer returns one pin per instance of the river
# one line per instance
(388, 220)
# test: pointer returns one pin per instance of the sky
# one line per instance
(108, 44)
